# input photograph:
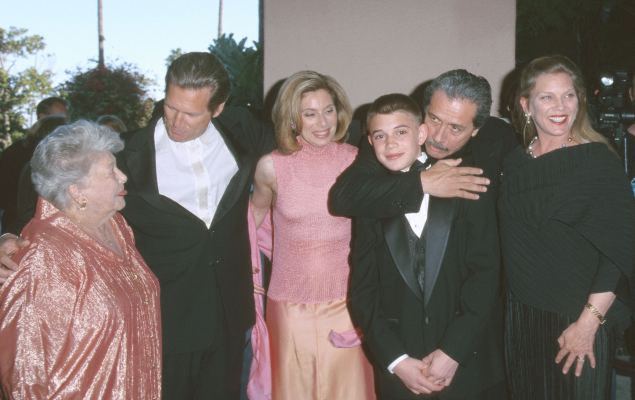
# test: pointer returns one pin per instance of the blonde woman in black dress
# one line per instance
(567, 229)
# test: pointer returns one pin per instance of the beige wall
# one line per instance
(373, 47)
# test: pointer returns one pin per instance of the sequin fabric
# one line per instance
(78, 321)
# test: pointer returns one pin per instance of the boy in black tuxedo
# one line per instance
(425, 285)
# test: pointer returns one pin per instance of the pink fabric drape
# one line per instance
(259, 384)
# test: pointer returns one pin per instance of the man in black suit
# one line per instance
(428, 299)
(189, 175)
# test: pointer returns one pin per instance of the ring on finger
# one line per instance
(580, 358)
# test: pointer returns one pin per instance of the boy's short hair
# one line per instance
(393, 102)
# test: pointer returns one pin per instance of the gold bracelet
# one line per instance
(595, 312)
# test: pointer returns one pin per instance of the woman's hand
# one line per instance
(576, 343)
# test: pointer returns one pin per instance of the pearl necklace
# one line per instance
(530, 147)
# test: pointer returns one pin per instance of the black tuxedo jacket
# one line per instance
(365, 189)
(459, 311)
(205, 274)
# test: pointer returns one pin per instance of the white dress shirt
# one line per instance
(196, 173)
(417, 220)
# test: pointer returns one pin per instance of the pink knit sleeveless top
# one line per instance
(310, 246)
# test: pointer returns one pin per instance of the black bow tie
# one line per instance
(419, 166)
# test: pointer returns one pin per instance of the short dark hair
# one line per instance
(46, 125)
(463, 85)
(198, 70)
(393, 102)
(113, 122)
(43, 108)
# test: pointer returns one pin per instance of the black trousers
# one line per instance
(212, 373)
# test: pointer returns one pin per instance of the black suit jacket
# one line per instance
(459, 311)
(205, 274)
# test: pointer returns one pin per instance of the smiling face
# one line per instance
(103, 187)
(450, 124)
(552, 104)
(185, 112)
(396, 138)
(318, 117)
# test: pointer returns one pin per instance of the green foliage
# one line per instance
(244, 65)
(118, 90)
(174, 54)
(19, 89)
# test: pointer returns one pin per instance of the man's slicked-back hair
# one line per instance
(460, 84)
(393, 102)
(198, 70)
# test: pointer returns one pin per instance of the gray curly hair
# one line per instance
(65, 156)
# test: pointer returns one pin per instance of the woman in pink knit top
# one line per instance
(315, 351)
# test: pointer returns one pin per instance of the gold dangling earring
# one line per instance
(527, 123)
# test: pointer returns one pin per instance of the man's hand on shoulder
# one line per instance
(447, 179)
(413, 373)
(9, 244)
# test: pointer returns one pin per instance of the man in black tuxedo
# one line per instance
(366, 189)
(189, 176)
(428, 299)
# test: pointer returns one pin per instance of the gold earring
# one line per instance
(527, 123)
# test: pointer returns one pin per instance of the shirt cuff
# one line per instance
(391, 367)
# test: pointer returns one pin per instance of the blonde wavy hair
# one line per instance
(286, 113)
(581, 128)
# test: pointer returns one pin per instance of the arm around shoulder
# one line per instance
(365, 189)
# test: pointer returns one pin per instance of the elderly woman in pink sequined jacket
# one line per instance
(314, 349)
(80, 316)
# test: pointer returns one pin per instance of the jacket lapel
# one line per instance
(241, 179)
(396, 238)
(140, 160)
(437, 231)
